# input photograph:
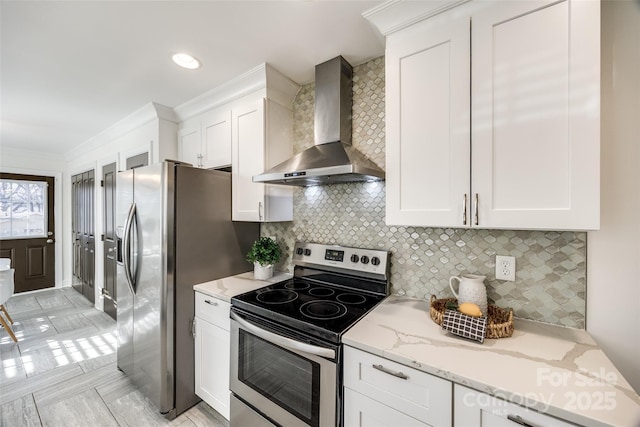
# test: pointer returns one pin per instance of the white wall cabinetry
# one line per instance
(205, 141)
(212, 350)
(248, 126)
(381, 392)
(475, 409)
(512, 144)
(261, 138)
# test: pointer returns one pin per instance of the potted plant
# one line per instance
(264, 253)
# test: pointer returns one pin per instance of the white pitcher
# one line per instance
(471, 289)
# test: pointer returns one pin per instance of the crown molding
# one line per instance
(394, 15)
(142, 116)
(14, 151)
(278, 87)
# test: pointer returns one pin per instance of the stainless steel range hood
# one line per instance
(332, 159)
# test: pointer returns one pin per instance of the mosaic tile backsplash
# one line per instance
(550, 281)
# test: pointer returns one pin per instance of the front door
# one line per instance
(109, 237)
(27, 229)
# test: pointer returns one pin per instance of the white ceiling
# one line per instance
(71, 69)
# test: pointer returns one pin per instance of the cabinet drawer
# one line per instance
(417, 394)
(362, 411)
(213, 310)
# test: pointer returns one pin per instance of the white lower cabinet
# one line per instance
(380, 392)
(475, 409)
(362, 411)
(212, 349)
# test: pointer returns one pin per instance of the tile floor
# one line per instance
(62, 371)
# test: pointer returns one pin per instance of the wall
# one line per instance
(550, 281)
(614, 256)
(44, 164)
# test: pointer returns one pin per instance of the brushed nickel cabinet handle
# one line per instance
(390, 372)
(476, 212)
(464, 209)
(260, 211)
(518, 420)
(211, 302)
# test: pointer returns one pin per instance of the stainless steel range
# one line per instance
(286, 352)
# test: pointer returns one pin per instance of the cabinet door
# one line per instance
(535, 102)
(247, 136)
(216, 143)
(475, 409)
(427, 123)
(361, 411)
(189, 149)
(212, 349)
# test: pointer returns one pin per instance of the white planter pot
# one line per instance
(262, 272)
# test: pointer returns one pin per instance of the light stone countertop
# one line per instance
(556, 370)
(229, 287)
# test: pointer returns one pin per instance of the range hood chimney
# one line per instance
(332, 159)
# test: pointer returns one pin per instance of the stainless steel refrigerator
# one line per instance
(174, 230)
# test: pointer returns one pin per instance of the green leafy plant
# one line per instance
(264, 251)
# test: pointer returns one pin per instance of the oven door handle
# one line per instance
(283, 341)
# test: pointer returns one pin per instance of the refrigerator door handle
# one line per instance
(126, 247)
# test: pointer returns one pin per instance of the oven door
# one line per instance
(291, 382)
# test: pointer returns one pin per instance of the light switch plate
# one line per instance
(505, 268)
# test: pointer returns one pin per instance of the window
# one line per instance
(23, 209)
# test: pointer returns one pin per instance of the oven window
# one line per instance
(287, 379)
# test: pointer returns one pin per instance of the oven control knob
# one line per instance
(299, 251)
(375, 260)
(355, 258)
(307, 252)
(364, 259)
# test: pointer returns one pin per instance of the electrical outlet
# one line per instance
(505, 268)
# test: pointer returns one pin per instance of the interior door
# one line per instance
(88, 235)
(109, 239)
(83, 235)
(27, 229)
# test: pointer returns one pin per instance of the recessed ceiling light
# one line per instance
(186, 61)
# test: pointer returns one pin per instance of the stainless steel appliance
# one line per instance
(174, 230)
(286, 352)
(332, 159)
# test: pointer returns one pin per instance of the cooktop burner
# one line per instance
(323, 309)
(321, 292)
(276, 296)
(332, 288)
(351, 299)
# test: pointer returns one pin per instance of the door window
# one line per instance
(23, 209)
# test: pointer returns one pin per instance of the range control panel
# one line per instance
(358, 260)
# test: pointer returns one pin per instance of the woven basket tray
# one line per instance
(499, 325)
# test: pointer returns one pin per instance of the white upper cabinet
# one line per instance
(536, 114)
(427, 123)
(216, 139)
(493, 115)
(205, 141)
(261, 138)
(189, 142)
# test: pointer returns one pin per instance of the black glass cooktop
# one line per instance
(321, 310)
